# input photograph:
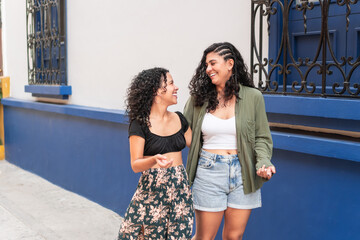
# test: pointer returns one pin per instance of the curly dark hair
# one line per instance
(141, 93)
(201, 87)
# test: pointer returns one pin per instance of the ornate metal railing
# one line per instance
(45, 20)
(280, 72)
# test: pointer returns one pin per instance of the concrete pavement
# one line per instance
(32, 208)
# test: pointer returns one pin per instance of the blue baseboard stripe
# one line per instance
(340, 149)
(337, 108)
(110, 115)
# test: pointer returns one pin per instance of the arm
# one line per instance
(263, 141)
(188, 136)
(138, 162)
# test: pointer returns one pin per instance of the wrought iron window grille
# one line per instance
(307, 76)
(46, 42)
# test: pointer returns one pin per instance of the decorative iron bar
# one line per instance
(45, 20)
(282, 73)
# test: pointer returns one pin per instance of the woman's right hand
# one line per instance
(162, 161)
(266, 172)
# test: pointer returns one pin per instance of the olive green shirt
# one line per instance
(254, 143)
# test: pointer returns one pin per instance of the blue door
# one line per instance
(300, 49)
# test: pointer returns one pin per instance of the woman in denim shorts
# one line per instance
(229, 157)
(161, 207)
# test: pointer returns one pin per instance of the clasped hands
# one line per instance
(162, 161)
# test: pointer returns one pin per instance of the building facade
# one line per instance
(67, 123)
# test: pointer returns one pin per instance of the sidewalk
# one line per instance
(32, 208)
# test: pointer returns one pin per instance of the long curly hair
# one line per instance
(141, 93)
(201, 87)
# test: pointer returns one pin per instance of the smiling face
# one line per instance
(168, 91)
(218, 69)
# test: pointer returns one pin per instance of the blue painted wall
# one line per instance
(314, 195)
(86, 156)
(310, 198)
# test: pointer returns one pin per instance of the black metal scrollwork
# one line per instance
(283, 63)
(45, 42)
(303, 6)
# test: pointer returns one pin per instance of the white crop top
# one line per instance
(218, 133)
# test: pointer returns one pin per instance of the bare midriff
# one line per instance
(222, 151)
(172, 155)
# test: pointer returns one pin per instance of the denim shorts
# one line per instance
(218, 184)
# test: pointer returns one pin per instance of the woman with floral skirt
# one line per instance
(161, 207)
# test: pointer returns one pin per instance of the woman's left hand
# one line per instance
(266, 172)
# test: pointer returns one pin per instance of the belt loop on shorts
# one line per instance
(210, 155)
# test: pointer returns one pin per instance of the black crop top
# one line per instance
(155, 144)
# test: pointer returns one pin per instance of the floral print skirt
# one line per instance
(161, 207)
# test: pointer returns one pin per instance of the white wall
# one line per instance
(14, 46)
(111, 41)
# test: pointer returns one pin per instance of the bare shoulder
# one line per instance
(175, 118)
(174, 115)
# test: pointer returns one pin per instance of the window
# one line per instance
(46, 44)
(313, 47)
